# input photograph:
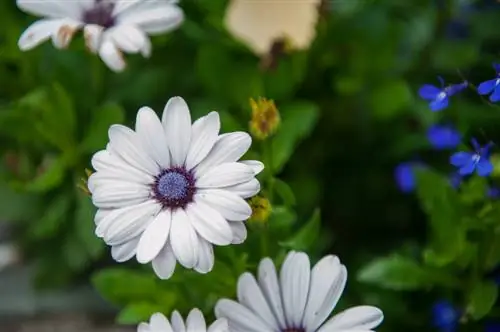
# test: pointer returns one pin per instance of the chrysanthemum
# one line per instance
(195, 322)
(110, 26)
(169, 190)
(300, 299)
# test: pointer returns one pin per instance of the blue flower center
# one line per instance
(101, 14)
(172, 185)
(174, 188)
(294, 329)
(476, 157)
(442, 95)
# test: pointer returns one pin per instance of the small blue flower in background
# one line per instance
(439, 97)
(445, 316)
(492, 327)
(478, 161)
(404, 175)
(443, 137)
(493, 193)
(491, 87)
(455, 180)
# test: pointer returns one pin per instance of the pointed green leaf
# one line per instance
(307, 236)
(482, 298)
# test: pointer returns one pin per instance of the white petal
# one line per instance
(143, 327)
(116, 168)
(357, 318)
(130, 39)
(205, 256)
(205, 131)
(111, 55)
(224, 175)
(245, 189)
(125, 251)
(195, 322)
(159, 323)
(256, 165)
(152, 136)
(229, 205)
(152, 16)
(294, 280)
(100, 214)
(209, 223)
(64, 34)
(250, 295)
(51, 8)
(38, 32)
(229, 147)
(154, 237)
(128, 145)
(176, 122)
(129, 223)
(115, 194)
(177, 322)
(268, 282)
(238, 316)
(164, 263)
(184, 239)
(328, 279)
(239, 232)
(92, 33)
(220, 325)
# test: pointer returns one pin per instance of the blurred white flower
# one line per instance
(195, 322)
(169, 190)
(299, 301)
(110, 27)
(259, 23)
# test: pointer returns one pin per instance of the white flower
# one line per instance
(194, 323)
(299, 301)
(110, 26)
(169, 190)
(294, 20)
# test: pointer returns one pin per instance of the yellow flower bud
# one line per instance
(265, 118)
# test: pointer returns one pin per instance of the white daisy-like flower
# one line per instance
(294, 20)
(169, 190)
(110, 27)
(299, 300)
(195, 322)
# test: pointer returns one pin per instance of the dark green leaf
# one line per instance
(51, 177)
(482, 298)
(390, 99)
(97, 134)
(298, 120)
(284, 191)
(137, 312)
(473, 190)
(85, 227)
(15, 206)
(54, 216)
(281, 218)
(307, 236)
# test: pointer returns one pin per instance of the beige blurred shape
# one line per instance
(261, 22)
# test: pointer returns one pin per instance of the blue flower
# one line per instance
(455, 180)
(478, 161)
(493, 192)
(439, 97)
(443, 137)
(491, 87)
(404, 175)
(492, 327)
(445, 316)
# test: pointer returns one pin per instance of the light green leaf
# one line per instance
(482, 298)
(450, 55)
(97, 133)
(401, 273)
(390, 99)
(473, 190)
(55, 214)
(121, 286)
(307, 236)
(284, 191)
(298, 120)
(85, 227)
(282, 218)
(137, 312)
(50, 178)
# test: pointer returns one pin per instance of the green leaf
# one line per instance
(390, 99)
(54, 216)
(281, 82)
(307, 236)
(482, 298)
(284, 191)
(473, 190)
(281, 218)
(298, 120)
(137, 312)
(121, 286)
(401, 273)
(450, 55)
(442, 204)
(13, 205)
(50, 178)
(85, 227)
(97, 133)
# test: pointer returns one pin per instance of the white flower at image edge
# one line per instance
(110, 27)
(300, 299)
(195, 322)
(169, 190)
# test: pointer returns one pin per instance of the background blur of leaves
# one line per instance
(349, 113)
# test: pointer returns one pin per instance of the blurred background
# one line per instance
(350, 114)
